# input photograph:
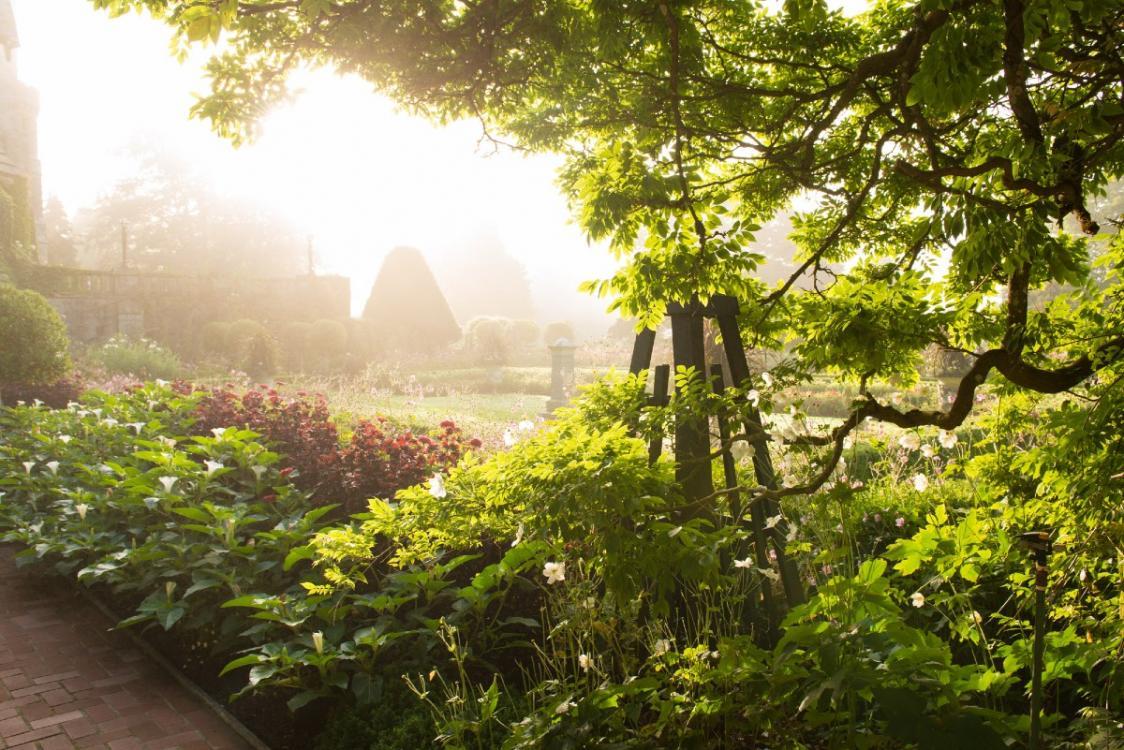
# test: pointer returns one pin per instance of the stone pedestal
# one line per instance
(561, 374)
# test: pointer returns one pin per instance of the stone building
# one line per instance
(21, 205)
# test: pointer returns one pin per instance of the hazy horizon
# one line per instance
(339, 162)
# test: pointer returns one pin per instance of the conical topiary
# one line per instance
(406, 309)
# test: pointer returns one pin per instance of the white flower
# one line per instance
(518, 536)
(767, 379)
(168, 482)
(526, 425)
(564, 707)
(160, 382)
(213, 466)
(554, 572)
(928, 451)
(109, 422)
(64, 439)
(81, 509)
(585, 662)
(318, 641)
(920, 482)
(909, 441)
(218, 431)
(746, 563)
(917, 599)
(509, 439)
(167, 442)
(663, 645)
(28, 466)
(437, 486)
(947, 440)
(753, 396)
(137, 426)
(976, 617)
(53, 466)
(848, 443)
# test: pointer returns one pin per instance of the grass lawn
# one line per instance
(484, 416)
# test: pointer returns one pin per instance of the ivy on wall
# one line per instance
(17, 224)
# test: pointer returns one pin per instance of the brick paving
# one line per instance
(67, 681)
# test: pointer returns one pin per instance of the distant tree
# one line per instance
(59, 243)
(33, 341)
(175, 222)
(555, 331)
(483, 279)
(406, 309)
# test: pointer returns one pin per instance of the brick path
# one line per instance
(66, 681)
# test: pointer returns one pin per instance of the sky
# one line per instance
(339, 162)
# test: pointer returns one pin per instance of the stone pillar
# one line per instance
(561, 374)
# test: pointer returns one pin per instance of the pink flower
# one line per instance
(899, 522)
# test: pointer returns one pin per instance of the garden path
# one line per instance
(68, 681)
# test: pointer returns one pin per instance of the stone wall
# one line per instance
(174, 309)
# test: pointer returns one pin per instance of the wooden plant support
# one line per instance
(692, 435)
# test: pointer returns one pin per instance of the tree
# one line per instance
(406, 308)
(482, 279)
(33, 341)
(59, 243)
(173, 221)
(931, 148)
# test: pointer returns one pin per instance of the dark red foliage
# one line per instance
(299, 428)
(378, 460)
(54, 395)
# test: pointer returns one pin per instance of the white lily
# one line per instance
(554, 572)
(28, 466)
(909, 441)
(53, 466)
(81, 509)
(947, 440)
(213, 466)
(168, 482)
(437, 486)
(64, 439)
(318, 642)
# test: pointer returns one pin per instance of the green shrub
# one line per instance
(33, 341)
(140, 358)
(261, 356)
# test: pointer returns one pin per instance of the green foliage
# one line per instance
(112, 492)
(140, 358)
(35, 344)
